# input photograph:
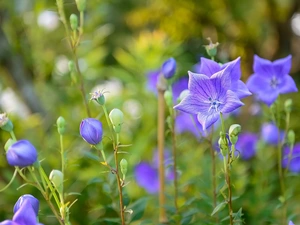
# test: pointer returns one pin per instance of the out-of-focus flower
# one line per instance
(22, 153)
(185, 122)
(33, 201)
(271, 79)
(209, 96)
(168, 68)
(146, 173)
(210, 67)
(91, 131)
(246, 145)
(269, 133)
(291, 223)
(48, 20)
(291, 158)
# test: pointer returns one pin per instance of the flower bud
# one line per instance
(211, 48)
(22, 153)
(5, 123)
(223, 145)
(60, 122)
(123, 165)
(91, 131)
(81, 4)
(291, 137)
(27, 197)
(98, 96)
(168, 98)
(168, 68)
(116, 117)
(57, 179)
(9, 143)
(235, 129)
(288, 105)
(74, 22)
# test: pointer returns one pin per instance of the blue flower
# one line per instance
(185, 122)
(210, 67)
(271, 79)
(91, 131)
(33, 201)
(291, 158)
(152, 78)
(168, 68)
(269, 133)
(246, 145)
(22, 153)
(209, 96)
(291, 223)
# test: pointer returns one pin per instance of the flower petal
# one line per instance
(234, 68)
(288, 85)
(282, 66)
(25, 214)
(231, 102)
(257, 84)
(241, 91)
(200, 85)
(263, 67)
(147, 177)
(207, 120)
(268, 97)
(208, 67)
(192, 104)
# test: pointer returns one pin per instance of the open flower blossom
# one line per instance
(271, 79)
(291, 158)
(91, 131)
(247, 145)
(22, 153)
(209, 96)
(210, 67)
(269, 133)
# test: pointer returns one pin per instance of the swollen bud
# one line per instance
(288, 105)
(81, 4)
(5, 123)
(168, 68)
(211, 48)
(98, 96)
(291, 137)
(60, 122)
(57, 179)
(123, 166)
(234, 131)
(223, 145)
(116, 117)
(74, 22)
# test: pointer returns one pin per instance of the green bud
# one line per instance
(81, 4)
(71, 66)
(5, 123)
(168, 98)
(211, 48)
(60, 122)
(123, 165)
(116, 117)
(235, 129)
(57, 179)
(291, 137)
(74, 22)
(288, 105)
(9, 143)
(223, 144)
(99, 97)
(182, 95)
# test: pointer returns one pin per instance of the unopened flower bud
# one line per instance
(234, 131)
(5, 123)
(60, 122)
(74, 22)
(81, 4)
(99, 97)
(123, 166)
(211, 48)
(291, 137)
(9, 143)
(168, 68)
(116, 117)
(32, 200)
(223, 145)
(57, 179)
(168, 98)
(288, 105)
(91, 131)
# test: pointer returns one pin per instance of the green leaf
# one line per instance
(138, 208)
(219, 207)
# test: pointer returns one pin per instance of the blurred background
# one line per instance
(122, 42)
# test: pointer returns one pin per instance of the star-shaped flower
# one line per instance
(209, 96)
(210, 67)
(271, 79)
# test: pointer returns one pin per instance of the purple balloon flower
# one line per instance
(168, 68)
(33, 201)
(209, 96)
(185, 122)
(210, 67)
(271, 79)
(246, 145)
(291, 158)
(269, 133)
(22, 153)
(91, 131)
(25, 215)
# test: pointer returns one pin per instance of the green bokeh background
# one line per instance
(122, 41)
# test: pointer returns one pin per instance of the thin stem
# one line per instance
(13, 136)
(109, 123)
(10, 182)
(213, 171)
(174, 159)
(62, 153)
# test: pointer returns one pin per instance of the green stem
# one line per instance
(10, 182)
(109, 123)
(62, 154)
(13, 136)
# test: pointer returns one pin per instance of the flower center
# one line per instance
(274, 82)
(214, 104)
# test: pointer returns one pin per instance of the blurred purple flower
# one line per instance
(246, 145)
(269, 133)
(152, 78)
(168, 68)
(291, 223)
(33, 201)
(178, 86)
(209, 96)
(91, 131)
(22, 153)
(147, 174)
(292, 158)
(25, 215)
(210, 67)
(185, 122)
(271, 79)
